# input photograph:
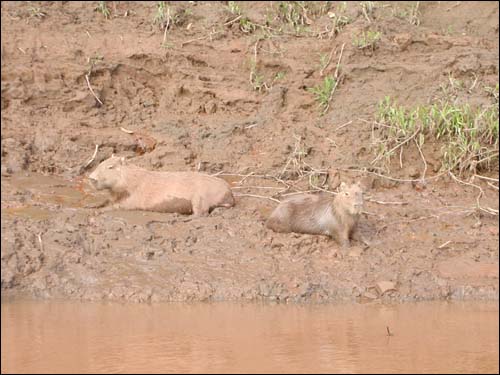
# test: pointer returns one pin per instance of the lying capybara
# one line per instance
(139, 189)
(334, 216)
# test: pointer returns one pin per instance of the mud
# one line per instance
(190, 106)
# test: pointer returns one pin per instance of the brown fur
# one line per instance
(140, 189)
(335, 216)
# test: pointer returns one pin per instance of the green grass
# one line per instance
(299, 14)
(35, 12)
(93, 61)
(323, 61)
(323, 92)
(367, 39)
(234, 8)
(368, 8)
(258, 80)
(493, 92)
(339, 22)
(468, 135)
(409, 12)
(245, 24)
(162, 14)
(103, 9)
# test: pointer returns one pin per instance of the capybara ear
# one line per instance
(343, 186)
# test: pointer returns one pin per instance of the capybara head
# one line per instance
(350, 198)
(108, 174)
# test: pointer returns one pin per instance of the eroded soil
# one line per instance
(191, 104)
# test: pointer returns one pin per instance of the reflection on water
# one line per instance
(226, 337)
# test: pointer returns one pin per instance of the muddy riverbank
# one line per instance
(190, 99)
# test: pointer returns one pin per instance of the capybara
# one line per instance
(334, 216)
(138, 189)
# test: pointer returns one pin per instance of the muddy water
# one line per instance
(82, 337)
(50, 190)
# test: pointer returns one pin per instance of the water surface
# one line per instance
(59, 337)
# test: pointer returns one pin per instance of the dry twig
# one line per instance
(257, 196)
(126, 130)
(92, 158)
(92, 91)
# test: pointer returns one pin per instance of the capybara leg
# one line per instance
(125, 204)
(278, 225)
(357, 236)
(199, 207)
(344, 239)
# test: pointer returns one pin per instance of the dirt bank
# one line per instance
(216, 94)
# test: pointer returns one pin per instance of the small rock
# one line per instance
(148, 103)
(413, 172)
(384, 286)
(211, 107)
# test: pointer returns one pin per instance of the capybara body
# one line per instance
(334, 216)
(139, 189)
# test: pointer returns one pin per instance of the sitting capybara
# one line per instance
(334, 216)
(139, 189)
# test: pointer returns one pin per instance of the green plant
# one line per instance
(323, 92)
(103, 9)
(367, 39)
(493, 92)
(246, 25)
(323, 61)
(162, 16)
(469, 136)
(414, 18)
(299, 14)
(411, 14)
(234, 8)
(93, 61)
(279, 76)
(167, 45)
(292, 12)
(258, 80)
(368, 8)
(36, 12)
(339, 22)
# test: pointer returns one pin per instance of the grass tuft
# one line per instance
(367, 39)
(103, 9)
(469, 135)
(323, 92)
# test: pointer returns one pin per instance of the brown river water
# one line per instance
(426, 337)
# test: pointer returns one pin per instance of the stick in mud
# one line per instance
(92, 91)
(92, 158)
(389, 332)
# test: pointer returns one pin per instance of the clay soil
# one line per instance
(195, 101)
